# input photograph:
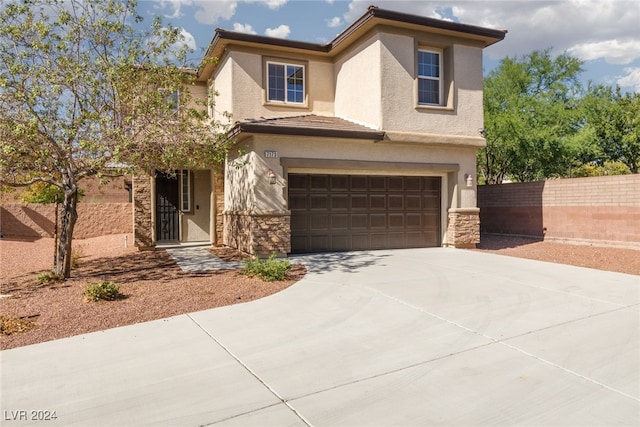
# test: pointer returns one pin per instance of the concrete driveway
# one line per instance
(409, 337)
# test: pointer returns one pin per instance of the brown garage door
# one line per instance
(354, 212)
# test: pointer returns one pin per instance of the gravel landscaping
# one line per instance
(153, 287)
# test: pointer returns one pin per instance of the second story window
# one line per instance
(429, 77)
(285, 83)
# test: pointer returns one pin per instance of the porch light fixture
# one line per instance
(271, 176)
(469, 181)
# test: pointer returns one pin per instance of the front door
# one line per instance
(167, 212)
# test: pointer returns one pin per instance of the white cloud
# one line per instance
(271, 4)
(187, 39)
(209, 12)
(176, 5)
(535, 25)
(334, 22)
(632, 79)
(243, 28)
(613, 51)
(281, 32)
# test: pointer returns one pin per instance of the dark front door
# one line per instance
(167, 213)
(354, 212)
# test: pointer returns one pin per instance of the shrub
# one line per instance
(48, 276)
(107, 291)
(76, 256)
(14, 325)
(269, 269)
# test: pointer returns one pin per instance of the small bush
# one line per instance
(107, 291)
(48, 276)
(14, 325)
(269, 269)
(76, 256)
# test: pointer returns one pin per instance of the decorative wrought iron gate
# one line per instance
(167, 212)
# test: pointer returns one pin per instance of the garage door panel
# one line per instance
(298, 201)
(359, 221)
(359, 202)
(318, 202)
(318, 222)
(299, 223)
(396, 202)
(340, 202)
(377, 202)
(413, 220)
(319, 183)
(339, 222)
(378, 221)
(377, 183)
(413, 202)
(340, 243)
(415, 239)
(357, 212)
(396, 220)
(379, 241)
(319, 243)
(360, 241)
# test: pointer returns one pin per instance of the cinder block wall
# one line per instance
(600, 209)
(94, 219)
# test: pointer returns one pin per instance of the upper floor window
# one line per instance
(285, 83)
(429, 77)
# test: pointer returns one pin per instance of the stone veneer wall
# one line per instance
(463, 230)
(258, 234)
(142, 209)
(218, 208)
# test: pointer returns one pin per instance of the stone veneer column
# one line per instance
(463, 230)
(258, 234)
(218, 207)
(142, 208)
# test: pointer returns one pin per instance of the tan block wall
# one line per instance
(38, 220)
(599, 209)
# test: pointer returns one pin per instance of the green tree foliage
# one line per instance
(87, 90)
(532, 118)
(614, 120)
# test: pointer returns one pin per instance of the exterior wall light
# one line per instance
(469, 181)
(271, 176)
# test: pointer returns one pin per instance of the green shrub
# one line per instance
(107, 291)
(269, 269)
(48, 276)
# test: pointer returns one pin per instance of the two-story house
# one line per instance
(367, 142)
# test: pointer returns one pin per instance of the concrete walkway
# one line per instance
(410, 337)
(199, 258)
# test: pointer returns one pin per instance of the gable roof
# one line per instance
(374, 16)
(307, 125)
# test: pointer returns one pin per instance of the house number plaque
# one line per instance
(271, 154)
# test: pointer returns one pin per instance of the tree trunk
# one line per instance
(67, 224)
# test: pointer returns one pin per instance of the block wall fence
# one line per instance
(38, 220)
(602, 210)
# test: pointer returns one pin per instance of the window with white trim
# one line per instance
(185, 184)
(285, 83)
(429, 77)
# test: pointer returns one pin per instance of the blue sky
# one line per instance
(604, 33)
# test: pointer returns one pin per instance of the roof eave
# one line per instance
(306, 131)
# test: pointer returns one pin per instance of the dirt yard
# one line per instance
(153, 287)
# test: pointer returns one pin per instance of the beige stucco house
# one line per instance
(366, 142)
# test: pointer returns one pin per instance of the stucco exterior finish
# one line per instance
(366, 81)
(253, 195)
